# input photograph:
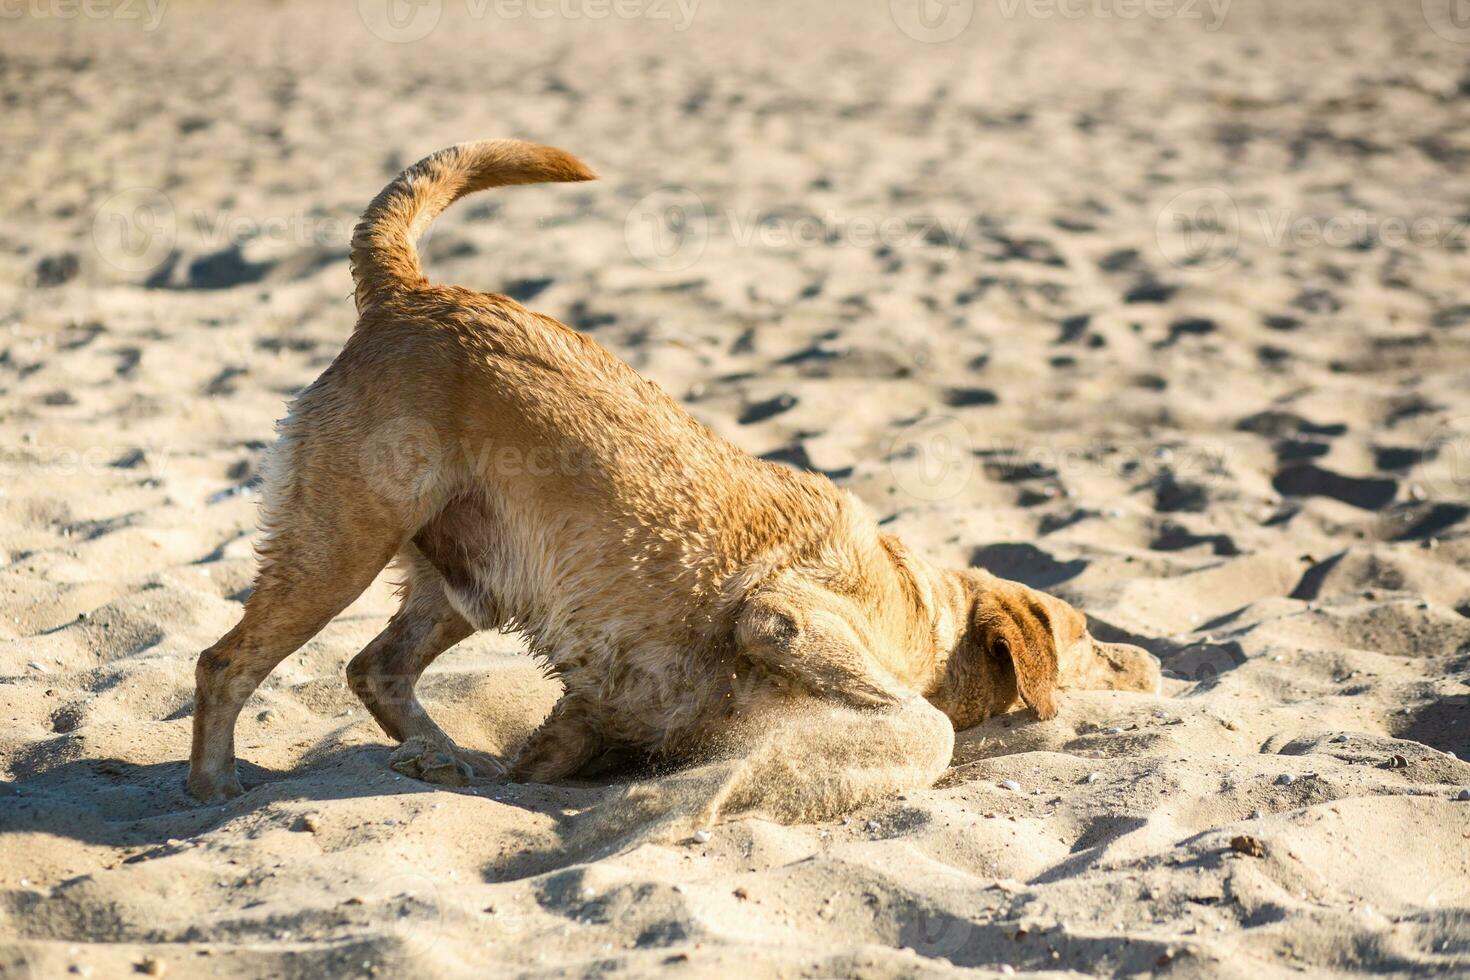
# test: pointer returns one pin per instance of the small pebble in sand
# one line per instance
(1247, 845)
(1256, 815)
(1338, 738)
(1090, 778)
(152, 966)
(1285, 779)
(311, 824)
(701, 836)
(1115, 730)
(1464, 794)
(1011, 785)
(874, 826)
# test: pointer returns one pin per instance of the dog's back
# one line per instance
(542, 483)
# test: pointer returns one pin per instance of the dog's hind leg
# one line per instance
(384, 674)
(334, 515)
(314, 565)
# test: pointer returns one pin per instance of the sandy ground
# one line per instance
(1165, 314)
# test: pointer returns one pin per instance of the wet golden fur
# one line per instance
(678, 587)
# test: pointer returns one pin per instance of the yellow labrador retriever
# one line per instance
(527, 479)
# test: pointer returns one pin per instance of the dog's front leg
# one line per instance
(566, 741)
(383, 676)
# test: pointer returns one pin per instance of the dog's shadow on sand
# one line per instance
(800, 765)
(613, 805)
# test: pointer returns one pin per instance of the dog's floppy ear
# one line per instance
(1036, 673)
(1017, 626)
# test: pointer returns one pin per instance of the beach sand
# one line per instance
(1165, 314)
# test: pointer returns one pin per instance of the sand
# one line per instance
(1165, 314)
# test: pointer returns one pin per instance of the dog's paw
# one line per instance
(443, 763)
(214, 788)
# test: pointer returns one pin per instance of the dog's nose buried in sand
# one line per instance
(694, 601)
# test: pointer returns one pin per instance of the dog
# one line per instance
(525, 478)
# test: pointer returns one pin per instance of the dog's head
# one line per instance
(1012, 641)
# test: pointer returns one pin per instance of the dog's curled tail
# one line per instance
(384, 260)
